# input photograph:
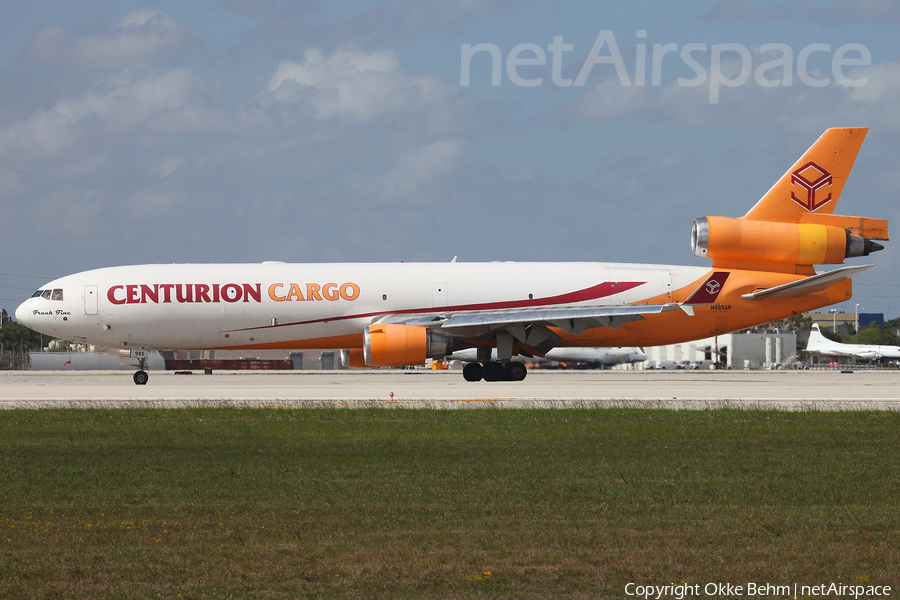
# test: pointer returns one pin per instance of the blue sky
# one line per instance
(250, 130)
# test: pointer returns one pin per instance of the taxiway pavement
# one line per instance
(682, 390)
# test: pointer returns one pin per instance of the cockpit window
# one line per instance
(55, 294)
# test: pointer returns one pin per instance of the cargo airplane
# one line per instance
(392, 314)
(820, 344)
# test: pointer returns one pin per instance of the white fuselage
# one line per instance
(820, 344)
(279, 305)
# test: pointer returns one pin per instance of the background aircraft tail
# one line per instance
(818, 342)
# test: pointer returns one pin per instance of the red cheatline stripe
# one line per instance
(601, 290)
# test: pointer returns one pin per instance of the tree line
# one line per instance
(16, 341)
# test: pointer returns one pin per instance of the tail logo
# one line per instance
(811, 178)
(709, 289)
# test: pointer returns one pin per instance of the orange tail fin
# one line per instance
(813, 185)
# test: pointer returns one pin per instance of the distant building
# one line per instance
(736, 350)
(830, 320)
(251, 360)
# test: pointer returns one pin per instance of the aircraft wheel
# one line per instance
(494, 371)
(516, 371)
(141, 377)
(472, 372)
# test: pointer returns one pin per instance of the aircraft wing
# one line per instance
(600, 355)
(531, 327)
(809, 285)
(862, 353)
(570, 320)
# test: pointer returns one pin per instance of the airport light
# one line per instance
(833, 312)
(857, 318)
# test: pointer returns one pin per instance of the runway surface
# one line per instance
(681, 390)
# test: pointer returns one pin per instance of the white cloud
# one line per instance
(361, 86)
(350, 127)
(841, 12)
(418, 168)
(114, 107)
(798, 107)
(168, 165)
(737, 10)
(837, 12)
(609, 100)
(151, 204)
(379, 24)
(883, 85)
(249, 6)
(141, 36)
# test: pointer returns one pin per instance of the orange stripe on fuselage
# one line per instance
(336, 342)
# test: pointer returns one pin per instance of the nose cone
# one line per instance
(22, 313)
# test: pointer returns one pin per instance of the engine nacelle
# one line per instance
(353, 358)
(722, 238)
(393, 345)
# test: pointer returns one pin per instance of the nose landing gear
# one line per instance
(143, 357)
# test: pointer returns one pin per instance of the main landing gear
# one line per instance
(495, 371)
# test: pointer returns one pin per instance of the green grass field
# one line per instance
(229, 503)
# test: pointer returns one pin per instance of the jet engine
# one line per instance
(353, 358)
(395, 345)
(723, 238)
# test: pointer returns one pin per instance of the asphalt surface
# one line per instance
(680, 390)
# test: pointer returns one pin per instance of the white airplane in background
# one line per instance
(820, 344)
(602, 356)
(393, 314)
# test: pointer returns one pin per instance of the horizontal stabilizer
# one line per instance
(864, 227)
(809, 285)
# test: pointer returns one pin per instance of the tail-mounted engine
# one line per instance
(726, 239)
(393, 345)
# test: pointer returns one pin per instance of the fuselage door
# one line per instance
(90, 300)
